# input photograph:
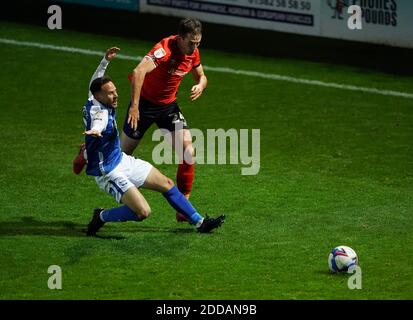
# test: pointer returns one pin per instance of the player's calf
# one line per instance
(136, 203)
(179, 216)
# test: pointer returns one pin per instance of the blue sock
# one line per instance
(178, 201)
(119, 214)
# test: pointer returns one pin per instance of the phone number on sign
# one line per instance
(286, 4)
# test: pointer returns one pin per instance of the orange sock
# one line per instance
(185, 178)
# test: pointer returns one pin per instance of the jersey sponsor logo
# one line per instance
(174, 71)
(179, 73)
(159, 53)
(99, 115)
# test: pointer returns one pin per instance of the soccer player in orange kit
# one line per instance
(155, 82)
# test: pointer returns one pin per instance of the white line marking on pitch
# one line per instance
(270, 76)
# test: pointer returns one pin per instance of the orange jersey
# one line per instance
(161, 84)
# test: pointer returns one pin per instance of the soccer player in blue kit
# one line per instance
(119, 174)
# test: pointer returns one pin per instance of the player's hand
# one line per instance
(133, 117)
(94, 133)
(196, 92)
(111, 53)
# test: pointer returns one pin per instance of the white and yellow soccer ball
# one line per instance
(342, 259)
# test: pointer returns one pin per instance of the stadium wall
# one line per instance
(386, 22)
(127, 22)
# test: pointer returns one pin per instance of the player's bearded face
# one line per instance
(108, 95)
(190, 42)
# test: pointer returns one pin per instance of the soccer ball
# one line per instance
(342, 258)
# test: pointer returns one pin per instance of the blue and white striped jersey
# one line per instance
(103, 153)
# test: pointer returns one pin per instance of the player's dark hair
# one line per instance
(189, 25)
(97, 84)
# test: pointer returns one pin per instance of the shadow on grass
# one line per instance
(331, 274)
(32, 226)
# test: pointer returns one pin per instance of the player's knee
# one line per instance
(144, 212)
(168, 183)
(165, 184)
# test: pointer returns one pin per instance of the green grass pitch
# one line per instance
(336, 169)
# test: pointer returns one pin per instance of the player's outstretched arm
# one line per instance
(138, 75)
(201, 80)
(101, 69)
